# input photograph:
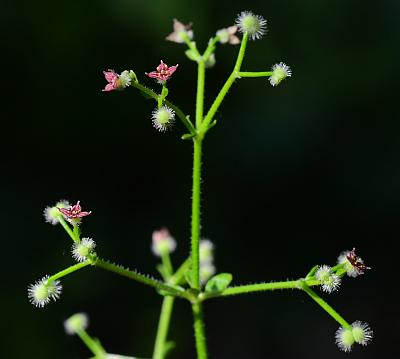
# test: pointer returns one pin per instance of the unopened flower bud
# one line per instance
(162, 242)
(206, 250)
(52, 214)
(76, 323)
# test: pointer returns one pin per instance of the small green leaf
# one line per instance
(188, 136)
(312, 271)
(188, 278)
(133, 76)
(218, 283)
(168, 347)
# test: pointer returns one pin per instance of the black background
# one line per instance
(292, 175)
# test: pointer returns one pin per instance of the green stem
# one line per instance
(324, 305)
(68, 270)
(191, 44)
(201, 345)
(180, 272)
(187, 123)
(195, 255)
(166, 261)
(260, 287)
(210, 48)
(231, 79)
(68, 229)
(255, 74)
(163, 326)
(92, 344)
(173, 290)
(200, 92)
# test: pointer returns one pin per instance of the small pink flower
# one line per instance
(179, 29)
(163, 72)
(228, 35)
(117, 82)
(162, 242)
(74, 213)
(112, 79)
(356, 261)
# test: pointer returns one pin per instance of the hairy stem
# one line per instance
(163, 326)
(150, 93)
(255, 74)
(69, 270)
(173, 290)
(324, 305)
(92, 344)
(231, 79)
(201, 345)
(68, 229)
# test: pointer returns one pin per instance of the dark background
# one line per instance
(292, 176)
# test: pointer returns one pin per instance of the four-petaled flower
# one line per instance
(356, 261)
(163, 72)
(115, 81)
(228, 35)
(179, 32)
(74, 213)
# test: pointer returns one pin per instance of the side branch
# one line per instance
(260, 287)
(150, 93)
(171, 290)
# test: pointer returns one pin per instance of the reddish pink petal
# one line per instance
(110, 75)
(64, 211)
(153, 74)
(82, 214)
(172, 69)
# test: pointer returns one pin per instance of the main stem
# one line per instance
(163, 326)
(199, 332)
(195, 255)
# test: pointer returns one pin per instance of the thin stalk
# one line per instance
(180, 272)
(195, 255)
(231, 79)
(200, 92)
(92, 344)
(324, 305)
(255, 74)
(201, 345)
(69, 270)
(150, 93)
(68, 229)
(260, 287)
(179, 292)
(166, 261)
(163, 326)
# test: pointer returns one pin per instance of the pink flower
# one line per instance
(117, 82)
(356, 262)
(162, 242)
(228, 35)
(112, 79)
(163, 72)
(74, 213)
(179, 30)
